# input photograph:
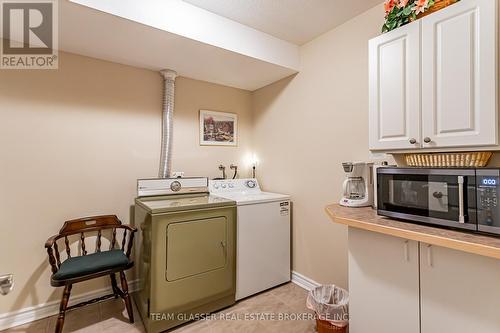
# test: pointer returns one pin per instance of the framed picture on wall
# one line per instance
(218, 128)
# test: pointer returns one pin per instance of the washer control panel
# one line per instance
(234, 185)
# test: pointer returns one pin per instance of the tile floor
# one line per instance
(110, 316)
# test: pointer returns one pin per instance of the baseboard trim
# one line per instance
(37, 312)
(303, 281)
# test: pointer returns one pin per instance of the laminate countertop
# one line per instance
(367, 219)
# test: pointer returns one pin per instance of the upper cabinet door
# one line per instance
(395, 89)
(459, 87)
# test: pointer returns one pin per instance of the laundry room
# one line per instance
(249, 166)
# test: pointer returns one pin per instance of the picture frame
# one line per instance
(218, 128)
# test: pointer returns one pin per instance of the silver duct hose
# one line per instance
(168, 123)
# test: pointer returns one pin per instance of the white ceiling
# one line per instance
(296, 21)
(237, 43)
(117, 31)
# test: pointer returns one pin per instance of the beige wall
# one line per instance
(73, 142)
(305, 126)
(189, 156)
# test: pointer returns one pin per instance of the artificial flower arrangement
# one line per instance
(401, 12)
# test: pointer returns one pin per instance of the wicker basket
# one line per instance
(449, 160)
(438, 5)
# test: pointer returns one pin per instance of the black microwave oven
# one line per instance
(459, 198)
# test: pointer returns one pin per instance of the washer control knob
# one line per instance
(251, 183)
(223, 186)
(216, 186)
(231, 185)
(175, 186)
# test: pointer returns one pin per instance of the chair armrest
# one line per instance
(130, 240)
(50, 242)
(129, 228)
(52, 259)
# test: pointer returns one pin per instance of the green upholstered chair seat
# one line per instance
(92, 263)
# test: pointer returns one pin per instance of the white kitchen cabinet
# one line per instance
(460, 292)
(433, 83)
(397, 285)
(395, 89)
(459, 55)
(383, 283)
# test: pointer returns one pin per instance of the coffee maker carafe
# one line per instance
(358, 187)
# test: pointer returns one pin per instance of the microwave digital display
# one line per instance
(489, 181)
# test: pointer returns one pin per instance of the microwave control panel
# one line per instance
(487, 198)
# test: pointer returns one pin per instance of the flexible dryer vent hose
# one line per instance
(168, 123)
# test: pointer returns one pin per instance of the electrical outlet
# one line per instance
(6, 284)
(178, 174)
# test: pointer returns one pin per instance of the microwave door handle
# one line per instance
(461, 204)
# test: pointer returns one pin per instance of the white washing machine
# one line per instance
(263, 235)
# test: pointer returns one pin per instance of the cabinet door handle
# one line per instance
(427, 139)
(413, 141)
(407, 250)
(429, 256)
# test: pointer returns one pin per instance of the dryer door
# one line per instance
(196, 247)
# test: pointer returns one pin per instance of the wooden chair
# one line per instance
(90, 266)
